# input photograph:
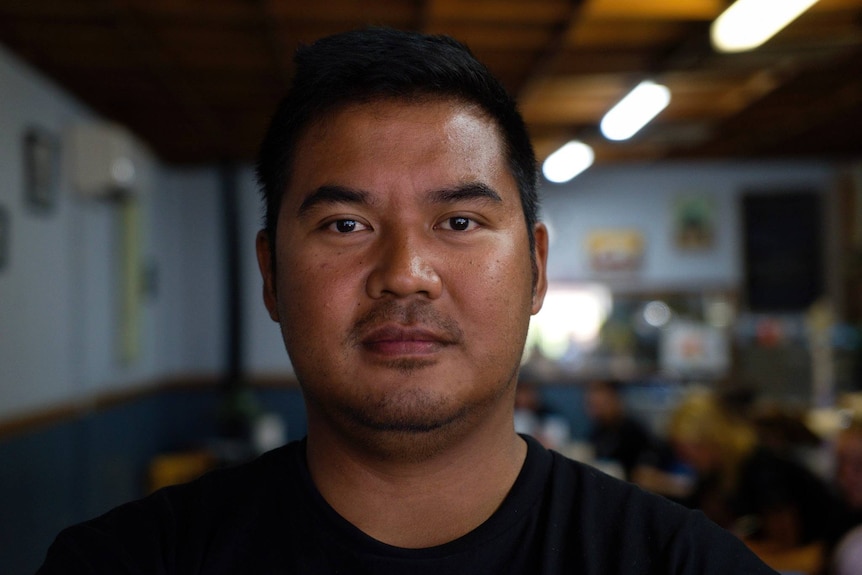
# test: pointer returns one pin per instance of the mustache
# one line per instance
(415, 313)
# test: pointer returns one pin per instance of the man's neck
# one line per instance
(420, 503)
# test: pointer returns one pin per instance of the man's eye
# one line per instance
(458, 223)
(346, 226)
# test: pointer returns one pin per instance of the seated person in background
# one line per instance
(780, 427)
(784, 432)
(848, 468)
(615, 435)
(778, 506)
(847, 534)
(533, 416)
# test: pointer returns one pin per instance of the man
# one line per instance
(618, 437)
(402, 259)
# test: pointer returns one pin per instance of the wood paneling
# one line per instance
(198, 80)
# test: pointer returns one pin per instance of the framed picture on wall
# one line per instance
(41, 150)
(693, 222)
(615, 250)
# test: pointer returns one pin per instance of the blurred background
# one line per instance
(716, 245)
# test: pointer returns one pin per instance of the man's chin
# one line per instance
(407, 431)
(407, 366)
(408, 419)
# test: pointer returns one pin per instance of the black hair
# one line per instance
(381, 63)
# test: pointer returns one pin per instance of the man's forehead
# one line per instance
(476, 192)
(371, 136)
(386, 110)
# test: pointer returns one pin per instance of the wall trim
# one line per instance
(37, 419)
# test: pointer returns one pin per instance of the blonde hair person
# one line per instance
(711, 439)
(779, 507)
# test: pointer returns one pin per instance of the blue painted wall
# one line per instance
(69, 472)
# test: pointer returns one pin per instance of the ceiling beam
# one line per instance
(148, 55)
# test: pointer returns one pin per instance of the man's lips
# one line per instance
(403, 340)
(395, 329)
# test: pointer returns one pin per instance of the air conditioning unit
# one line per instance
(105, 160)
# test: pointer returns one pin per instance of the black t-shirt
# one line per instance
(266, 517)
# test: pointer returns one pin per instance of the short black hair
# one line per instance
(382, 63)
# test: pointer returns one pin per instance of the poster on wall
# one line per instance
(693, 222)
(615, 250)
(694, 349)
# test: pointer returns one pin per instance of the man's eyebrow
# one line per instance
(331, 194)
(469, 191)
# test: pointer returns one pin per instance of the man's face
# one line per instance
(403, 280)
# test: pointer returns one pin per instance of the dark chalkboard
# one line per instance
(783, 244)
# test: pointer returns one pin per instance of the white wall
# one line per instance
(642, 197)
(188, 252)
(39, 291)
(59, 292)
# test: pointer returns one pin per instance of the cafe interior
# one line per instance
(701, 181)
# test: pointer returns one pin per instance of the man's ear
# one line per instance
(266, 263)
(540, 232)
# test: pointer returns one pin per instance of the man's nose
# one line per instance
(404, 265)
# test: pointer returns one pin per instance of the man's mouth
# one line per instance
(395, 340)
(399, 330)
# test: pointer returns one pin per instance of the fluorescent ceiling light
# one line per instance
(567, 162)
(747, 24)
(635, 110)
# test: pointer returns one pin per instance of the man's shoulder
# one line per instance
(648, 528)
(584, 482)
(225, 506)
(581, 494)
(252, 478)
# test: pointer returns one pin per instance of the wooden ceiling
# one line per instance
(198, 79)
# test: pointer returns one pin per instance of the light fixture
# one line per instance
(635, 110)
(567, 162)
(657, 313)
(747, 24)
